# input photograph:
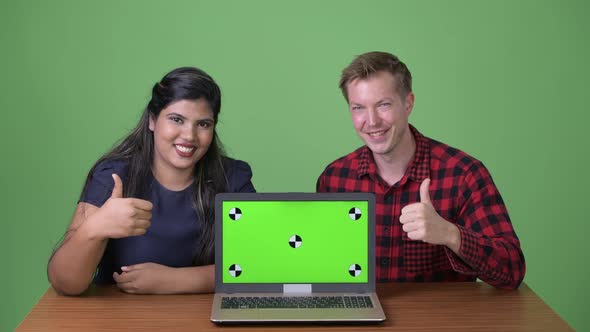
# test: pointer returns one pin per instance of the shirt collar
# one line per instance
(418, 169)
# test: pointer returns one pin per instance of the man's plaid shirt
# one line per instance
(462, 192)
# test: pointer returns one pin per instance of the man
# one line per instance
(439, 215)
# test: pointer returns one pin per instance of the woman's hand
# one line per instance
(120, 217)
(146, 278)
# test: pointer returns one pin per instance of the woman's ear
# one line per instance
(152, 122)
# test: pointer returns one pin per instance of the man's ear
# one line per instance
(409, 103)
(152, 122)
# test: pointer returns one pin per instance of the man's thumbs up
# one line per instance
(424, 194)
(118, 188)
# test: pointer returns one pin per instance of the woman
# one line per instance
(145, 216)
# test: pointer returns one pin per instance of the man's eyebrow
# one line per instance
(384, 100)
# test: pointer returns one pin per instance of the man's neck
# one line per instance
(392, 167)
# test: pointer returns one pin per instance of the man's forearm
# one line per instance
(454, 241)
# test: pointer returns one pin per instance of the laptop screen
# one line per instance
(294, 241)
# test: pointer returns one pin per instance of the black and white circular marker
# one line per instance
(295, 241)
(355, 213)
(235, 270)
(235, 213)
(355, 270)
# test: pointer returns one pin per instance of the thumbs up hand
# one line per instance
(422, 222)
(121, 217)
(117, 188)
(424, 192)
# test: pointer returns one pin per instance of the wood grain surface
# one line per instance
(466, 306)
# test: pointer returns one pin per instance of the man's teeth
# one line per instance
(184, 149)
(377, 134)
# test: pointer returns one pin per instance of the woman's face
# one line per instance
(183, 132)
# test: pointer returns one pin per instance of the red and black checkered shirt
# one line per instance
(462, 192)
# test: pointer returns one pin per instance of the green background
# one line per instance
(503, 80)
(330, 242)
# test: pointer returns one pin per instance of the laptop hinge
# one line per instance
(297, 288)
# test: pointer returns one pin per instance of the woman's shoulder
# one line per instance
(115, 165)
(105, 168)
(231, 164)
(100, 182)
(239, 175)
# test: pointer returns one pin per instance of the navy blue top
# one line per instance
(173, 236)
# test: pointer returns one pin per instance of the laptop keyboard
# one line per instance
(293, 302)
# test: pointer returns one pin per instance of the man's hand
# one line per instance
(422, 222)
(146, 278)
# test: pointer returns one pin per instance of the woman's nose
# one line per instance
(189, 133)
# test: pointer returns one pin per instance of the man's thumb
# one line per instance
(424, 194)
(118, 188)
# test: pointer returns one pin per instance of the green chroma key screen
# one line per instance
(295, 242)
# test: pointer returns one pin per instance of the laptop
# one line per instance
(295, 257)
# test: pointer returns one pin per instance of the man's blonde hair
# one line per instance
(371, 63)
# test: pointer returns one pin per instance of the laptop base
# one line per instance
(296, 315)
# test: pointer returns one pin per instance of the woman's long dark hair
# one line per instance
(137, 149)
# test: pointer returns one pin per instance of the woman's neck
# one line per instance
(172, 179)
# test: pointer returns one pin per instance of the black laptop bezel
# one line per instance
(221, 287)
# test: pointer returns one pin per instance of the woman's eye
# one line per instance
(204, 124)
(176, 119)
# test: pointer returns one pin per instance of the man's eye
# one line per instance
(385, 104)
(356, 108)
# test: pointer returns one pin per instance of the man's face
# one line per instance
(379, 113)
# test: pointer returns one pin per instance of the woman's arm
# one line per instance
(195, 279)
(73, 264)
(152, 278)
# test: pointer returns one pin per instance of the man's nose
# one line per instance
(372, 117)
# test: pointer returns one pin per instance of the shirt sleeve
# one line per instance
(320, 185)
(101, 183)
(489, 248)
(240, 177)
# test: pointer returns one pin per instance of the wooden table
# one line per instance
(466, 306)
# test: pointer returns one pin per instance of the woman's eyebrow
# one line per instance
(176, 114)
